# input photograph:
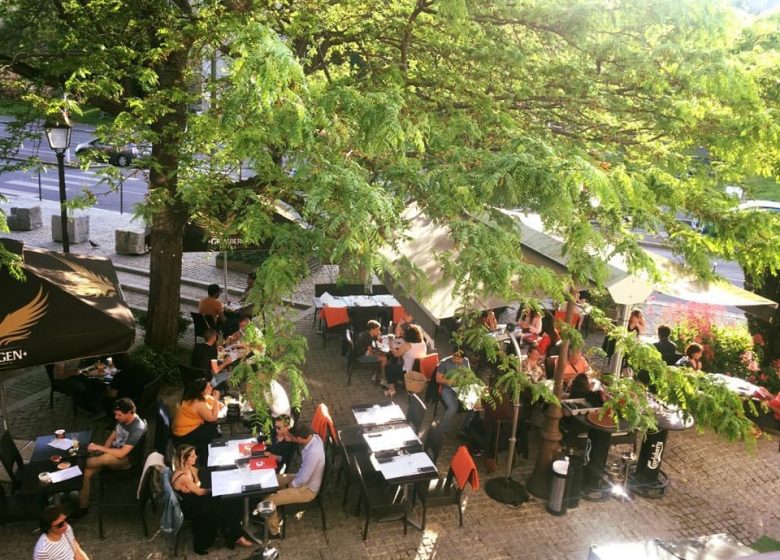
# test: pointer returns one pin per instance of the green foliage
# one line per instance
(141, 317)
(156, 362)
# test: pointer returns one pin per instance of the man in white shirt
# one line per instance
(304, 485)
(57, 541)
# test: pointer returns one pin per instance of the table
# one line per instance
(41, 462)
(405, 469)
(92, 372)
(599, 441)
(245, 484)
(377, 415)
(394, 437)
(226, 453)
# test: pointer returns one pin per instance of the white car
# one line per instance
(765, 205)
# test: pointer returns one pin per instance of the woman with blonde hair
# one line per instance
(201, 508)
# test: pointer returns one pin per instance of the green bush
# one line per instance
(729, 344)
(154, 362)
(142, 316)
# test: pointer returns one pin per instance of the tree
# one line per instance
(587, 113)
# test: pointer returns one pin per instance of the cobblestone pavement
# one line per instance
(715, 486)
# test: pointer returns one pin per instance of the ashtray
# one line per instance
(44, 478)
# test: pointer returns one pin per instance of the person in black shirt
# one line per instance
(204, 356)
(365, 347)
(666, 347)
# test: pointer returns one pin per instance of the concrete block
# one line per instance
(129, 242)
(78, 228)
(25, 219)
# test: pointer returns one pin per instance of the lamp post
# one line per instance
(58, 135)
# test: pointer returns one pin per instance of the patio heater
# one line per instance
(58, 136)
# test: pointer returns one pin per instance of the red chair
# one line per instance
(398, 313)
(560, 315)
(428, 364)
(322, 424)
(334, 319)
(449, 491)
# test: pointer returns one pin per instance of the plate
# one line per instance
(604, 422)
(63, 465)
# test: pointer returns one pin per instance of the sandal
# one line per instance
(243, 541)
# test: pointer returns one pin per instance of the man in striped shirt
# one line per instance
(57, 541)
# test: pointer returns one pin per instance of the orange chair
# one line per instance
(428, 364)
(398, 313)
(334, 319)
(449, 491)
(322, 424)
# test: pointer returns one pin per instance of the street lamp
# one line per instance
(58, 135)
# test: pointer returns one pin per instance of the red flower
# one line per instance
(758, 339)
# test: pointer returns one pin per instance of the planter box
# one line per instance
(127, 242)
(78, 228)
(25, 219)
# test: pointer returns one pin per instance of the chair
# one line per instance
(378, 500)
(449, 491)
(317, 503)
(162, 428)
(149, 394)
(189, 374)
(322, 425)
(106, 477)
(59, 386)
(427, 366)
(147, 495)
(18, 508)
(434, 441)
(352, 359)
(12, 461)
(201, 322)
(334, 320)
(415, 414)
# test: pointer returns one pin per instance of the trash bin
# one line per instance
(574, 481)
(556, 504)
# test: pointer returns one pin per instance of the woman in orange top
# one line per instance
(195, 422)
(575, 364)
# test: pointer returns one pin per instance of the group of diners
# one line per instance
(210, 515)
(219, 316)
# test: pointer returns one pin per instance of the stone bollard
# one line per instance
(25, 219)
(78, 228)
(128, 242)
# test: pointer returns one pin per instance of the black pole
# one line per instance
(63, 200)
(121, 193)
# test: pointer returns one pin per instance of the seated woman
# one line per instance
(489, 320)
(412, 348)
(195, 421)
(533, 366)
(206, 513)
(636, 322)
(575, 364)
(531, 324)
(406, 320)
(581, 389)
(549, 338)
(692, 358)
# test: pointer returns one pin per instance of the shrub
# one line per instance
(154, 362)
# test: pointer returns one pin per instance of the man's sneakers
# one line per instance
(78, 514)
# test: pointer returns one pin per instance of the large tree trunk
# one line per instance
(162, 326)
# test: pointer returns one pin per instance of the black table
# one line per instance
(41, 462)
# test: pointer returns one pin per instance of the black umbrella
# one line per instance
(68, 306)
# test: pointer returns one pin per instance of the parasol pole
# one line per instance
(2, 403)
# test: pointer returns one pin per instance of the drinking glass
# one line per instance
(75, 441)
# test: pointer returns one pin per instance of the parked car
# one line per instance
(765, 205)
(115, 155)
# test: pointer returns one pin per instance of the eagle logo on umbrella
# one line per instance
(17, 324)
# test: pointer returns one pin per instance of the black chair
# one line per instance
(58, 386)
(415, 414)
(149, 395)
(148, 495)
(434, 441)
(439, 493)
(200, 323)
(16, 508)
(352, 359)
(162, 429)
(12, 461)
(108, 477)
(378, 500)
(317, 503)
(189, 374)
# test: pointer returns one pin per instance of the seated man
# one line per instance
(114, 454)
(304, 485)
(666, 347)
(236, 336)
(86, 392)
(204, 357)
(211, 306)
(366, 351)
(448, 395)
(281, 446)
